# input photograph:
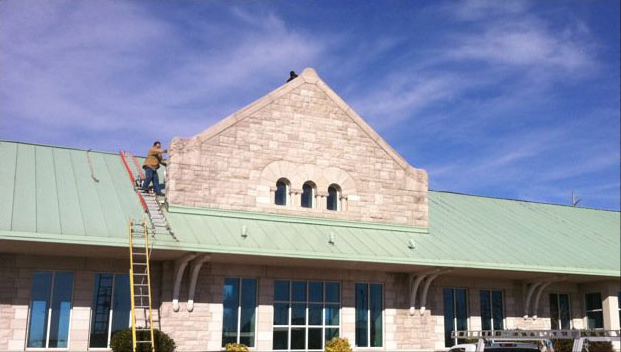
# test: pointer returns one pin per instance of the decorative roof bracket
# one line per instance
(195, 268)
(180, 265)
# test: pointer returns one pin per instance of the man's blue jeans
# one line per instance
(151, 175)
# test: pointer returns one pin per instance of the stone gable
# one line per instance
(300, 132)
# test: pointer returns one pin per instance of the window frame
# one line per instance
(619, 306)
(455, 340)
(239, 307)
(491, 307)
(598, 310)
(368, 329)
(306, 326)
(313, 194)
(287, 197)
(337, 197)
(110, 313)
(558, 304)
(48, 313)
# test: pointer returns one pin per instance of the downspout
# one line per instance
(423, 300)
(195, 269)
(541, 291)
(532, 289)
(538, 296)
(414, 288)
(180, 265)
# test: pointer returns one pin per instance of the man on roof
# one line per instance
(151, 164)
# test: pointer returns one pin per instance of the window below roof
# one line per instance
(282, 192)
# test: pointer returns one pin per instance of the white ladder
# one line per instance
(150, 202)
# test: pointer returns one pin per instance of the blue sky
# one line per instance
(513, 99)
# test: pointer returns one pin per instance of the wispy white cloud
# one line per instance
(114, 67)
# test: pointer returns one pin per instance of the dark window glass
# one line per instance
(449, 317)
(307, 196)
(595, 317)
(239, 307)
(298, 291)
(248, 304)
(362, 307)
(498, 313)
(280, 196)
(298, 314)
(369, 306)
(61, 309)
(314, 314)
(332, 292)
(281, 313)
(51, 295)
(298, 338)
(230, 300)
(305, 313)
(461, 311)
(455, 313)
(111, 296)
(486, 312)
(375, 313)
(281, 290)
(593, 301)
(121, 304)
(315, 339)
(332, 200)
(315, 291)
(39, 307)
(332, 314)
(331, 333)
(554, 311)
(565, 313)
(619, 304)
(281, 337)
(102, 301)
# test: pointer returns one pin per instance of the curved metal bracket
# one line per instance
(180, 265)
(428, 281)
(414, 284)
(531, 290)
(538, 296)
(195, 268)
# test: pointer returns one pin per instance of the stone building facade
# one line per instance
(359, 250)
(300, 132)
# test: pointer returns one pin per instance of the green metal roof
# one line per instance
(47, 195)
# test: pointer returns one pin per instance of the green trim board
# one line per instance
(47, 195)
(293, 219)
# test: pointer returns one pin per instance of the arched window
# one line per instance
(282, 190)
(308, 195)
(332, 202)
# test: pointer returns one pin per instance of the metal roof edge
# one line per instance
(521, 200)
(108, 242)
(240, 214)
(62, 147)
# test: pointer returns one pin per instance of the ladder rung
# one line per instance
(141, 307)
(140, 263)
(140, 274)
(141, 284)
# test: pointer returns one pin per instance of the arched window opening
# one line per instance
(282, 190)
(332, 202)
(308, 195)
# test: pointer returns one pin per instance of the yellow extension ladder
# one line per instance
(140, 285)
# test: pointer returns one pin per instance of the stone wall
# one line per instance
(201, 329)
(16, 273)
(302, 132)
